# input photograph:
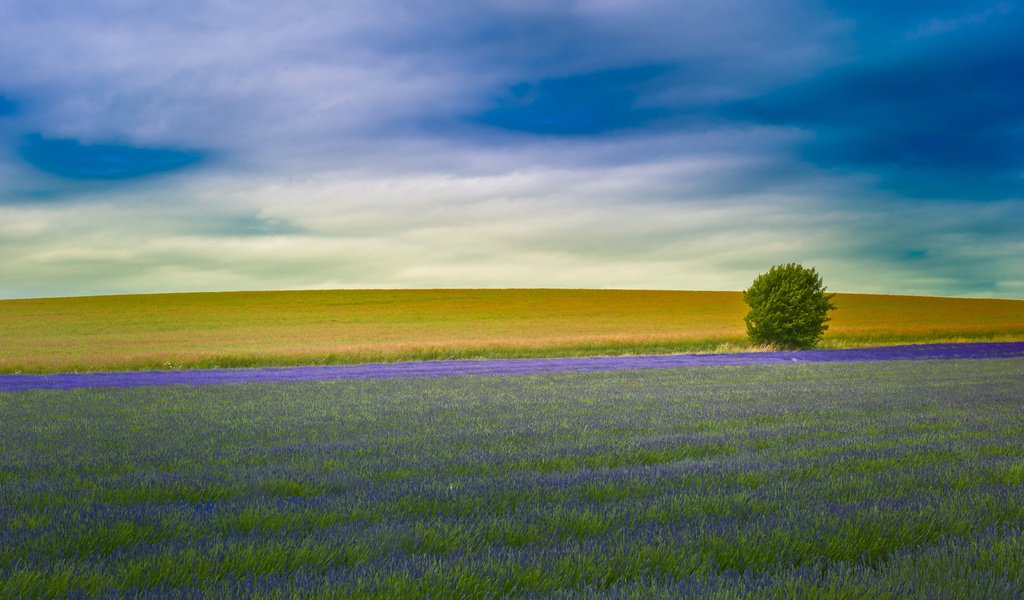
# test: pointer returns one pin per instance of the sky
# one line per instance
(642, 144)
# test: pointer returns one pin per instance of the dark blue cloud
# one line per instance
(7, 106)
(884, 26)
(942, 118)
(584, 104)
(74, 160)
(929, 128)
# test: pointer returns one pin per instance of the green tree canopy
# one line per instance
(788, 307)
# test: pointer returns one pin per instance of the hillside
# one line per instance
(343, 326)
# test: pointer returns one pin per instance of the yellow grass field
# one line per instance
(345, 326)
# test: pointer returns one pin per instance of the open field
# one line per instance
(335, 327)
(814, 480)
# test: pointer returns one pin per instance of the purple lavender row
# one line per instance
(513, 366)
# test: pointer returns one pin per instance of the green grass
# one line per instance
(901, 479)
(242, 329)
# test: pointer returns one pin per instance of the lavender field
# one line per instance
(521, 366)
(831, 479)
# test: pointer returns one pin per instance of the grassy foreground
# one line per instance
(848, 481)
(345, 326)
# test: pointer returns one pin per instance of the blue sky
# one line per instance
(185, 146)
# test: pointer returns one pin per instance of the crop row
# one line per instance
(526, 366)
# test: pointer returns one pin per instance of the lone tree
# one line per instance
(788, 307)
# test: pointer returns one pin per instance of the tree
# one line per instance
(788, 307)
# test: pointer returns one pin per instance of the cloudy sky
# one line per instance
(668, 144)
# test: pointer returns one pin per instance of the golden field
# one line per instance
(346, 326)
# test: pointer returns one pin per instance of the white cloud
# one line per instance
(535, 227)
